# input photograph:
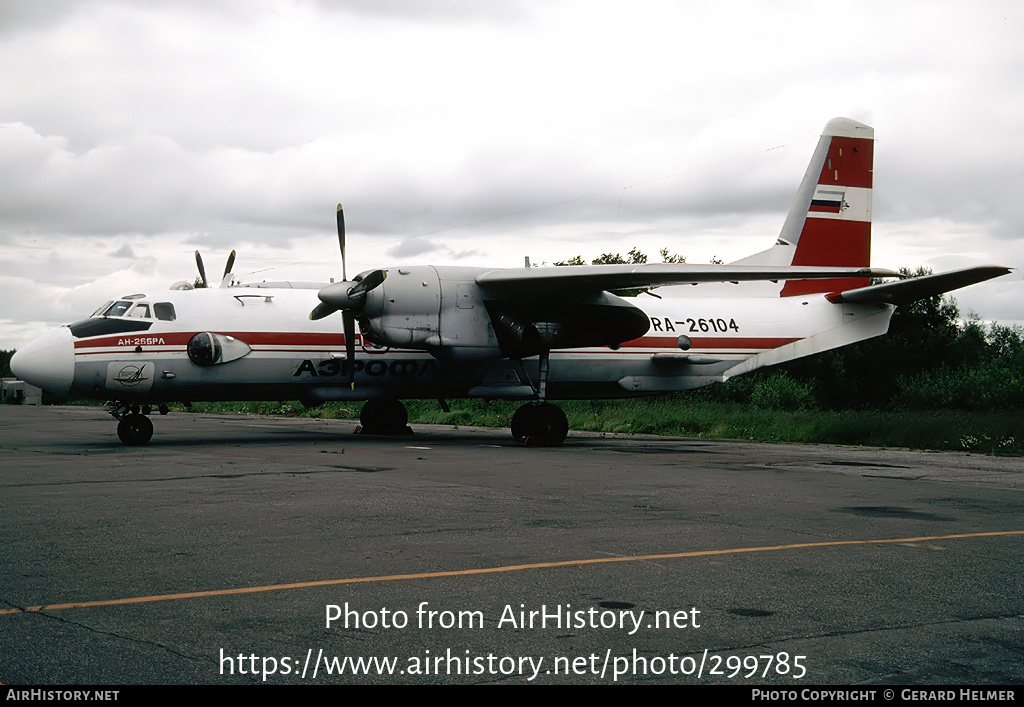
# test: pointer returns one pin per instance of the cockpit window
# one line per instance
(164, 311)
(118, 309)
(141, 311)
(140, 314)
(136, 310)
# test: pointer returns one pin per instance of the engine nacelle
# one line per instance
(438, 310)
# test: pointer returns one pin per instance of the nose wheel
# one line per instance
(135, 429)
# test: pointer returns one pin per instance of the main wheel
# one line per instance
(539, 425)
(135, 429)
(386, 416)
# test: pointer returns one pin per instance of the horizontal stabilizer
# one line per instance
(917, 288)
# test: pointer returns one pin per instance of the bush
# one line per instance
(781, 392)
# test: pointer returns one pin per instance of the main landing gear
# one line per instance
(540, 424)
(384, 416)
(134, 428)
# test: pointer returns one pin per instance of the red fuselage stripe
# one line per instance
(300, 342)
(253, 338)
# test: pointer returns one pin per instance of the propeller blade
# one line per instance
(230, 264)
(350, 345)
(202, 270)
(322, 310)
(341, 240)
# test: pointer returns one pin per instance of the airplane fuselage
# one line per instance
(256, 343)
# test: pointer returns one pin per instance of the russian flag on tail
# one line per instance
(828, 201)
(830, 222)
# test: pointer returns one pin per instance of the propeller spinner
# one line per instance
(347, 297)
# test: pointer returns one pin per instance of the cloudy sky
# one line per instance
(477, 133)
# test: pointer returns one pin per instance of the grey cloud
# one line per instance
(436, 10)
(412, 247)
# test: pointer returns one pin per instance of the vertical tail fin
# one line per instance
(830, 220)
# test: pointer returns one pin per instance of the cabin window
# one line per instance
(164, 311)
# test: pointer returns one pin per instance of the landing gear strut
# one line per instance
(384, 416)
(540, 424)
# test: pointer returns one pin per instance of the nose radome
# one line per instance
(47, 362)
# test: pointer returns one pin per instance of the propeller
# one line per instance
(203, 282)
(347, 297)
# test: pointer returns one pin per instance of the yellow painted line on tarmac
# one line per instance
(494, 570)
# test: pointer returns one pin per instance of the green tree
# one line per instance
(634, 257)
(575, 260)
(667, 257)
(926, 335)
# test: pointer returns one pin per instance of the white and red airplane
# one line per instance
(531, 334)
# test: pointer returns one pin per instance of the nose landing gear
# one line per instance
(134, 428)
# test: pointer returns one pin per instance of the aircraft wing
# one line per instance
(913, 289)
(622, 277)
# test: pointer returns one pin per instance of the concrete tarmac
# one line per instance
(217, 554)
